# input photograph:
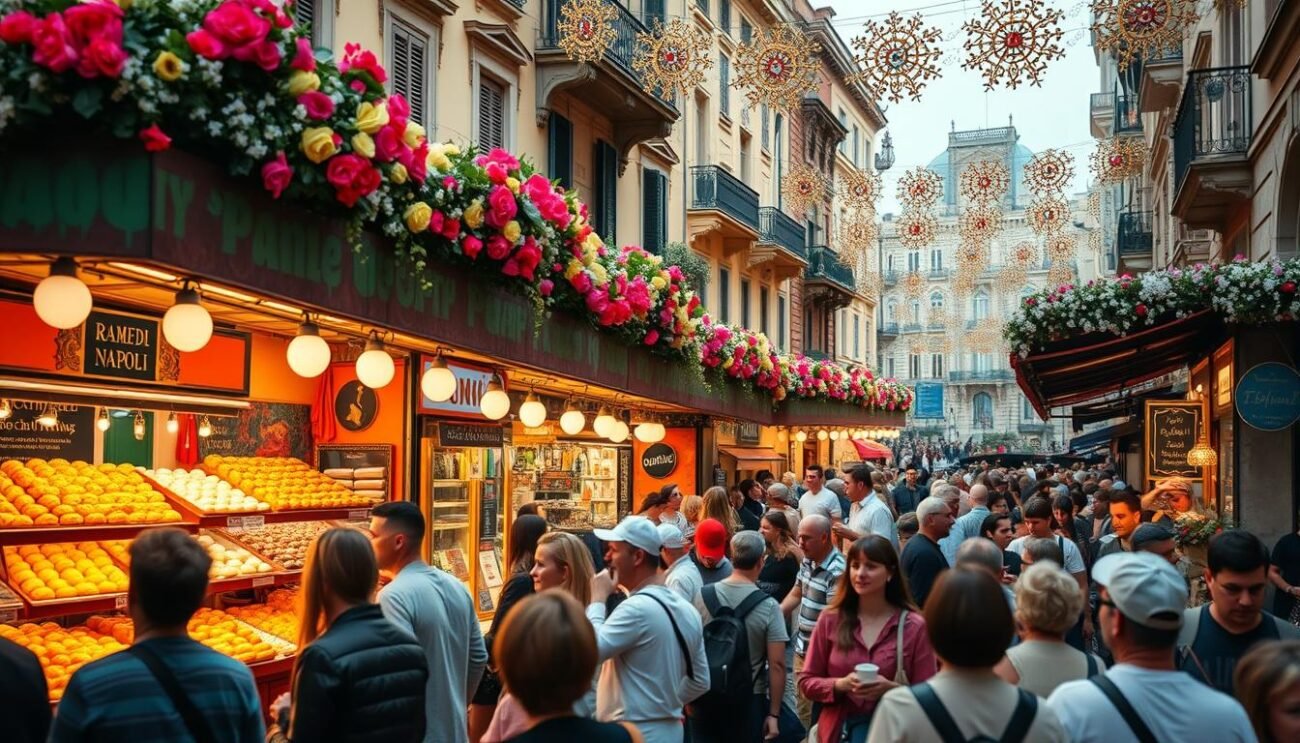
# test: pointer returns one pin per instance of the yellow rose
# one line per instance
(363, 145)
(436, 159)
(451, 150)
(413, 135)
(658, 283)
(417, 216)
(168, 67)
(371, 118)
(511, 231)
(598, 273)
(512, 183)
(302, 81)
(573, 269)
(397, 174)
(318, 143)
(474, 214)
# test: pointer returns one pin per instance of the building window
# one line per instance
(724, 294)
(654, 210)
(491, 114)
(654, 10)
(724, 86)
(889, 263)
(936, 300)
(936, 365)
(724, 16)
(606, 201)
(983, 408)
(913, 366)
(936, 259)
(409, 66)
(891, 311)
(781, 312)
(857, 336)
(317, 15)
(914, 311)
(983, 362)
(764, 117)
(778, 133)
(746, 156)
(763, 297)
(746, 31)
(1027, 410)
(744, 303)
(857, 152)
(559, 148)
(890, 368)
(981, 306)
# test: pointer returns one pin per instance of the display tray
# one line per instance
(276, 514)
(194, 507)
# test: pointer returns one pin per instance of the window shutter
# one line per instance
(560, 149)
(654, 215)
(746, 31)
(304, 14)
(606, 191)
(409, 74)
(491, 114)
(724, 16)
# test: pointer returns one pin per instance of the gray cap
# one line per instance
(1148, 533)
(835, 485)
(1144, 587)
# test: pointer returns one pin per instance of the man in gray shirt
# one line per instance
(436, 608)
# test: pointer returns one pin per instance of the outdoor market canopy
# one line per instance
(747, 457)
(868, 449)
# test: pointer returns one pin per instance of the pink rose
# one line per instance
(303, 59)
(598, 303)
(357, 86)
(319, 106)
(276, 175)
(651, 337)
(511, 267)
(236, 24)
(94, 19)
(154, 139)
(450, 183)
(471, 246)
(266, 55)
(54, 48)
(498, 247)
(546, 286)
(451, 228)
(102, 57)
(352, 177)
(17, 27)
(435, 222)
(399, 110)
(581, 282)
(206, 45)
(356, 59)
(498, 155)
(388, 144)
(496, 173)
(536, 187)
(419, 165)
(501, 207)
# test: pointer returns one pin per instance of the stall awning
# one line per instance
(1103, 436)
(1085, 367)
(747, 456)
(868, 449)
(1124, 406)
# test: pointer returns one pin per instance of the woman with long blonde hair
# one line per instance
(352, 662)
(692, 509)
(718, 506)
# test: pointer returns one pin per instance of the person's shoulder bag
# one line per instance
(1017, 728)
(1130, 715)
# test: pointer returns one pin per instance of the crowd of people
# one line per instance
(881, 605)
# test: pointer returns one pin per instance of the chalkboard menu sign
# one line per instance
(488, 504)
(1171, 428)
(72, 437)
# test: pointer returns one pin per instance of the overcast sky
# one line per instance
(1055, 115)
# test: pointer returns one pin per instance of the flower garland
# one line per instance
(237, 81)
(1240, 292)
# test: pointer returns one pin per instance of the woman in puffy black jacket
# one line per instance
(358, 677)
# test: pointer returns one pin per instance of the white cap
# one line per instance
(1144, 587)
(671, 537)
(637, 531)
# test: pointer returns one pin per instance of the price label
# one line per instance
(234, 523)
(8, 616)
(254, 523)
(119, 603)
(360, 515)
(263, 580)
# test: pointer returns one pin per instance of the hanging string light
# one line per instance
(915, 228)
(914, 284)
(803, 187)
(980, 224)
(1049, 172)
(1118, 159)
(1140, 29)
(920, 188)
(1048, 214)
(859, 189)
(984, 182)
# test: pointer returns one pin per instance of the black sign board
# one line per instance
(72, 437)
(487, 515)
(659, 460)
(719, 476)
(464, 434)
(1171, 429)
(355, 406)
(122, 346)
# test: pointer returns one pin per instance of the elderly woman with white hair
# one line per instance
(1048, 603)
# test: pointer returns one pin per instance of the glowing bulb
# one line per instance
(834, 436)
(187, 326)
(6, 409)
(603, 421)
(649, 432)
(438, 383)
(103, 421)
(137, 428)
(495, 403)
(375, 368)
(173, 425)
(618, 431)
(572, 421)
(205, 427)
(532, 413)
(308, 353)
(49, 418)
(822, 435)
(61, 299)
(801, 436)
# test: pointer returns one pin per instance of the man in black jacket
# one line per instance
(923, 561)
(24, 699)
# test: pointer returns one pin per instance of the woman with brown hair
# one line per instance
(717, 505)
(1268, 686)
(781, 567)
(357, 675)
(672, 511)
(872, 620)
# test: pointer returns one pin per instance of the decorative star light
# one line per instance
(1060, 248)
(803, 187)
(1013, 41)
(1060, 274)
(587, 29)
(1012, 279)
(963, 281)
(938, 315)
(987, 336)
(1025, 255)
(972, 254)
(1140, 29)
(859, 189)
(1048, 214)
(1118, 159)
(915, 228)
(979, 224)
(857, 237)
(913, 284)
(984, 182)
(1094, 205)
(673, 57)
(870, 282)
(920, 188)
(897, 57)
(778, 67)
(1049, 172)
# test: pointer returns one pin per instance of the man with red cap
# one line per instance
(710, 553)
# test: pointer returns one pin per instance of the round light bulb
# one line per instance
(532, 413)
(657, 432)
(822, 435)
(438, 383)
(834, 435)
(801, 436)
(618, 432)
(173, 425)
(644, 432)
(602, 423)
(137, 428)
(61, 299)
(49, 418)
(187, 326)
(205, 427)
(573, 421)
(375, 368)
(308, 353)
(6, 409)
(495, 403)
(103, 421)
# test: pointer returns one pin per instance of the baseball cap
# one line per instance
(1118, 485)
(1148, 533)
(671, 536)
(1144, 588)
(637, 531)
(711, 539)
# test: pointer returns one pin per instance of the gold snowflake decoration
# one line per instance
(859, 189)
(870, 282)
(857, 237)
(1140, 29)
(1012, 41)
(777, 68)
(1025, 255)
(984, 182)
(897, 57)
(938, 315)
(1048, 214)
(673, 57)
(1118, 159)
(920, 188)
(1060, 274)
(979, 224)
(971, 254)
(1011, 279)
(987, 336)
(1060, 248)
(916, 228)
(913, 284)
(803, 187)
(1049, 172)
(1094, 205)
(1094, 241)
(587, 29)
(963, 281)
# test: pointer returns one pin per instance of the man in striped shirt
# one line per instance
(813, 591)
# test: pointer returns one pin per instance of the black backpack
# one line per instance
(726, 645)
(1021, 719)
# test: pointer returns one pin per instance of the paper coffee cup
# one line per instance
(867, 672)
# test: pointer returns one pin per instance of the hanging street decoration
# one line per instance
(979, 224)
(856, 238)
(1025, 255)
(1094, 205)
(1049, 172)
(1094, 241)
(940, 343)
(963, 281)
(869, 282)
(1060, 274)
(1118, 158)
(777, 67)
(972, 254)
(1048, 215)
(897, 57)
(859, 189)
(803, 187)
(587, 29)
(913, 284)
(920, 188)
(987, 336)
(984, 182)
(938, 316)
(1060, 248)
(673, 57)
(1012, 41)
(918, 344)
(1140, 29)
(916, 228)
(1011, 279)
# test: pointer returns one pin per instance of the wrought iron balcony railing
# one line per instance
(715, 188)
(775, 227)
(1214, 118)
(824, 265)
(1134, 234)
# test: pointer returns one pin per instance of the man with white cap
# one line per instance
(652, 645)
(682, 575)
(1144, 697)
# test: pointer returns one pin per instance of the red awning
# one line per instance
(1088, 366)
(868, 449)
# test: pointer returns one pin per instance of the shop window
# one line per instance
(744, 303)
(559, 148)
(606, 201)
(491, 114)
(654, 210)
(762, 311)
(724, 294)
(409, 66)
(317, 15)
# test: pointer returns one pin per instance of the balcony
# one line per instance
(826, 280)
(887, 329)
(1274, 54)
(1128, 115)
(1161, 78)
(1133, 240)
(1103, 114)
(913, 327)
(1212, 134)
(780, 244)
(610, 85)
(1035, 428)
(891, 278)
(983, 376)
(724, 206)
(939, 274)
(1191, 246)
